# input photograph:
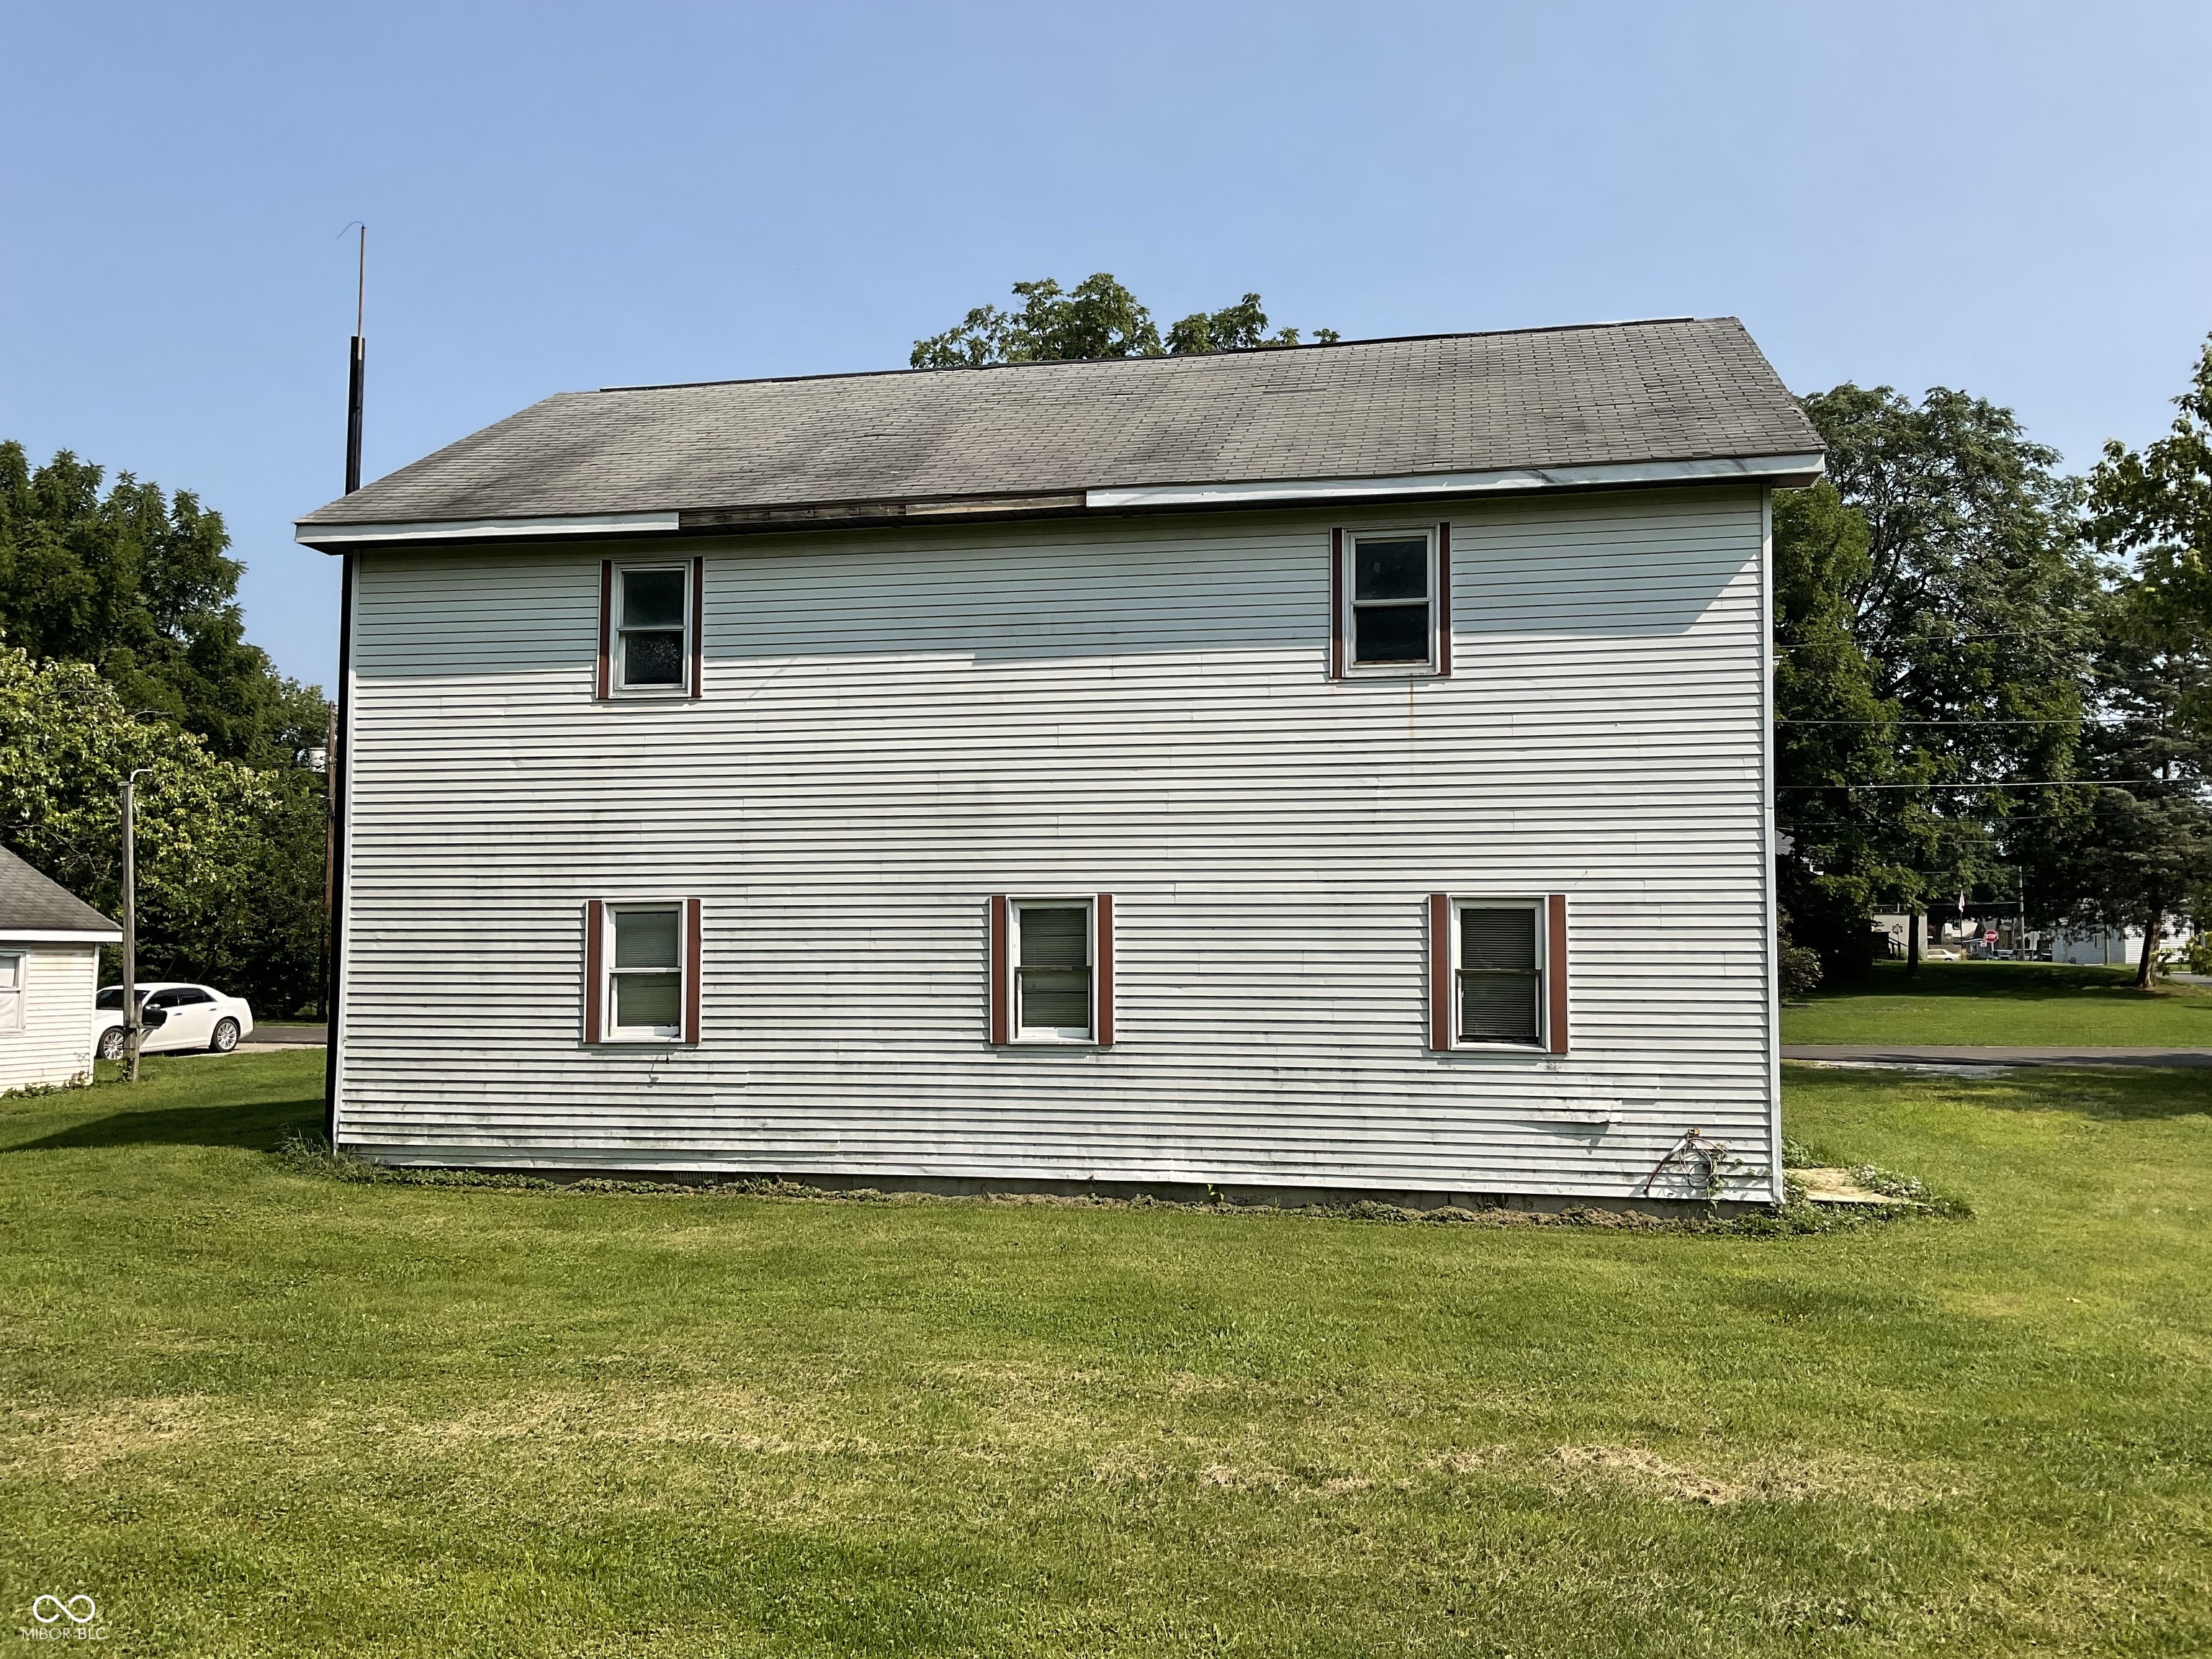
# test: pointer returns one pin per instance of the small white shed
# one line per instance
(49, 943)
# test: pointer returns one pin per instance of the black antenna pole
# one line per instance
(356, 370)
(336, 758)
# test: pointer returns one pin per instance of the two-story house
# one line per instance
(1343, 767)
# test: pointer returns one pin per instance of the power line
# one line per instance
(1977, 722)
(1924, 639)
(1963, 787)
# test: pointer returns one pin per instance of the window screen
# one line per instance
(11, 992)
(1053, 984)
(649, 632)
(647, 972)
(1390, 621)
(1499, 985)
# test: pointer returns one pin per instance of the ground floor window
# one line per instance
(641, 970)
(1052, 969)
(1496, 972)
(11, 990)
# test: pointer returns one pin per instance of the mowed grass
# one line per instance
(252, 1410)
(2029, 1004)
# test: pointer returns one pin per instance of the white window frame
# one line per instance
(650, 1035)
(1540, 907)
(14, 989)
(619, 658)
(1348, 623)
(1051, 1035)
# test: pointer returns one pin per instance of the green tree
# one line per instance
(140, 586)
(206, 829)
(1833, 731)
(131, 590)
(2133, 847)
(1097, 318)
(1972, 607)
(2154, 510)
(2141, 850)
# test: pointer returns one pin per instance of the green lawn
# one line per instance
(254, 1411)
(2034, 1004)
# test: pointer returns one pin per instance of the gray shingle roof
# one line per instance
(30, 902)
(1676, 390)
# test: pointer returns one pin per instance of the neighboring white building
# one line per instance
(49, 943)
(1343, 767)
(2120, 946)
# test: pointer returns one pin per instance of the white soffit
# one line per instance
(478, 529)
(12, 937)
(1752, 469)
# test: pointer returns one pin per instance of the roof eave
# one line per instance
(60, 936)
(1787, 470)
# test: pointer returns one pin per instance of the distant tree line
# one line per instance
(1995, 681)
(122, 647)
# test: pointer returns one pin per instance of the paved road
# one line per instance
(283, 1036)
(1915, 1054)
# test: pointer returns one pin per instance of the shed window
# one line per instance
(645, 973)
(11, 990)
(652, 627)
(1053, 979)
(1391, 602)
(1499, 975)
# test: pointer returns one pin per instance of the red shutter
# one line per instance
(1336, 604)
(691, 955)
(1103, 970)
(595, 929)
(698, 632)
(1555, 971)
(1444, 597)
(1001, 998)
(1440, 986)
(606, 627)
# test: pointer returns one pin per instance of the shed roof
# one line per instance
(31, 904)
(1673, 390)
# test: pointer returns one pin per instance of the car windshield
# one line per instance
(112, 998)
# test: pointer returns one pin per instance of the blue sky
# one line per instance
(2008, 198)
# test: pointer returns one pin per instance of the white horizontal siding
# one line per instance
(51, 1042)
(898, 724)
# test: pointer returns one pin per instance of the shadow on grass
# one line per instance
(2115, 1095)
(258, 1127)
(2012, 982)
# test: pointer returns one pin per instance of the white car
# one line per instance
(176, 1017)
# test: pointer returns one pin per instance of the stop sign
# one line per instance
(1989, 938)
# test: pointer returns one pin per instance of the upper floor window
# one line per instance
(651, 618)
(1391, 589)
(653, 614)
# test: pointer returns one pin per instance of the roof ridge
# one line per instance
(1165, 357)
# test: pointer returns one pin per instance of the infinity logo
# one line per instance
(38, 1609)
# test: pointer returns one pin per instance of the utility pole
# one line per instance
(133, 1026)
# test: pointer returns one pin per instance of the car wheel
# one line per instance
(110, 1044)
(225, 1038)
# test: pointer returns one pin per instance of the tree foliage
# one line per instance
(1934, 605)
(124, 648)
(1097, 318)
(224, 893)
(141, 586)
(2133, 846)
